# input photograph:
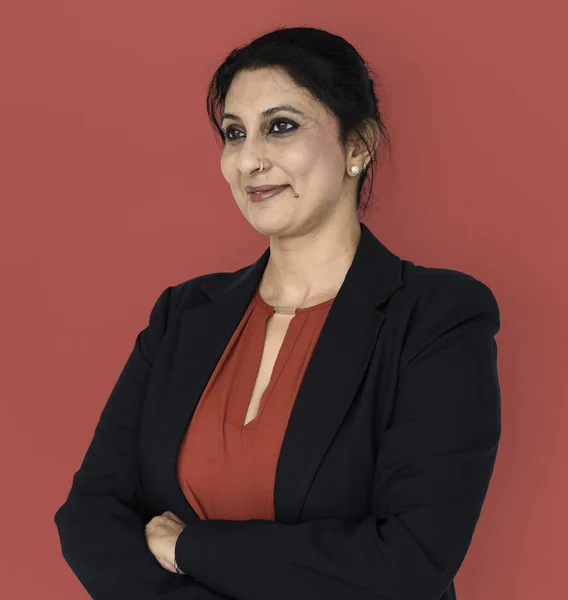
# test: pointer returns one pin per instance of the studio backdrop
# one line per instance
(111, 190)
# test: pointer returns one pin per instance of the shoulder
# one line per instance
(186, 293)
(442, 286)
(436, 301)
(165, 309)
(189, 292)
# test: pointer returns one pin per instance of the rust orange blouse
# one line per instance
(225, 470)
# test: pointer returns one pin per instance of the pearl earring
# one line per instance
(354, 170)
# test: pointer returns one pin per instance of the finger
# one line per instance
(175, 518)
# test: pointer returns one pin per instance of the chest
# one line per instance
(342, 405)
(275, 332)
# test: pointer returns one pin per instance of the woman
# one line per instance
(322, 423)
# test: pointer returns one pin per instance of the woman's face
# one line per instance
(300, 150)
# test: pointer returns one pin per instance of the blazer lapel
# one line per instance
(330, 382)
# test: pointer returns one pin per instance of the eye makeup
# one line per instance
(229, 130)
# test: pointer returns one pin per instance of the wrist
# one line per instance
(178, 570)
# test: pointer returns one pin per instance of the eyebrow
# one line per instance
(268, 112)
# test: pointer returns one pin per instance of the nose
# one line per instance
(250, 154)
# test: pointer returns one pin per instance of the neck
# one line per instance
(313, 266)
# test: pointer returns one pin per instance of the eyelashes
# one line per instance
(229, 130)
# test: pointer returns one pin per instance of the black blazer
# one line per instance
(384, 466)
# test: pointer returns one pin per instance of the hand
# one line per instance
(161, 534)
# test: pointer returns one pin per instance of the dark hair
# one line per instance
(323, 63)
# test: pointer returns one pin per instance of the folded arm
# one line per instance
(431, 477)
(101, 525)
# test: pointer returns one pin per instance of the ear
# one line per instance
(357, 151)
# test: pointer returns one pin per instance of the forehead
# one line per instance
(251, 92)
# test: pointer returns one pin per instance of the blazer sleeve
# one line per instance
(101, 525)
(432, 473)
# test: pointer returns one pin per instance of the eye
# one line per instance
(228, 133)
(285, 121)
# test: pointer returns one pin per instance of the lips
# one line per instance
(263, 188)
(266, 194)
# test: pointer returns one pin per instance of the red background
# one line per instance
(111, 190)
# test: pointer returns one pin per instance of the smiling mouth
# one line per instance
(265, 188)
(265, 194)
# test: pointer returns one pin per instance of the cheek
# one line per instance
(225, 167)
(314, 157)
(230, 172)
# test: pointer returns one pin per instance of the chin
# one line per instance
(269, 227)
